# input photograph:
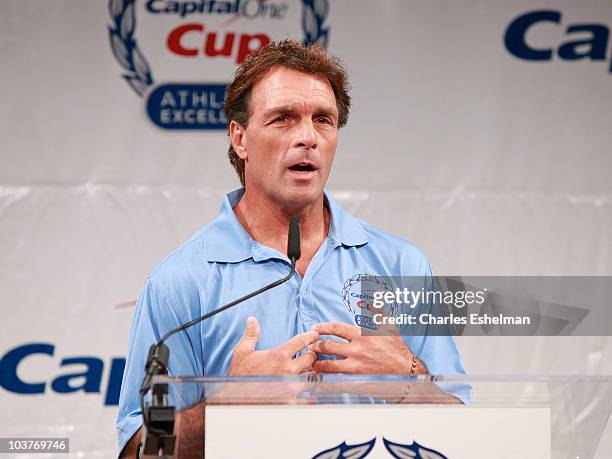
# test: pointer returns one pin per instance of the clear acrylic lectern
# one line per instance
(428, 417)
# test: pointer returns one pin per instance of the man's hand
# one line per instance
(362, 354)
(278, 361)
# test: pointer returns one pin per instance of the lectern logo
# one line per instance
(345, 451)
(219, 35)
(413, 450)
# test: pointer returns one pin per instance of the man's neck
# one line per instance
(268, 224)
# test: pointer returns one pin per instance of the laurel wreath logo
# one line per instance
(357, 278)
(314, 13)
(124, 45)
(346, 289)
(138, 73)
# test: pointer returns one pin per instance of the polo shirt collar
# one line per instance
(345, 228)
(228, 242)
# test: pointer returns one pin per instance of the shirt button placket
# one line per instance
(306, 311)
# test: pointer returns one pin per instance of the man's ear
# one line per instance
(238, 139)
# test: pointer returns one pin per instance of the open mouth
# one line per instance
(302, 167)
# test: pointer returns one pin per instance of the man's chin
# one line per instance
(301, 197)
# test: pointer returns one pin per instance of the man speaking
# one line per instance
(286, 105)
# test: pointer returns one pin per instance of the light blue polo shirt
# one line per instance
(222, 262)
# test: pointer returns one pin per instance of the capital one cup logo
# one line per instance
(177, 55)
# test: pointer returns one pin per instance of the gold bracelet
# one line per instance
(411, 383)
(414, 365)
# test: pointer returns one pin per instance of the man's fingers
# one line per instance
(331, 366)
(249, 340)
(331, 347)
(308, 372)
(304, 362)
(299, 342)
(346, 331)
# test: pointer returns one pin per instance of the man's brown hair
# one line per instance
(311, 59)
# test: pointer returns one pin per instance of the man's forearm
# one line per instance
(131, 448)
(189, 428)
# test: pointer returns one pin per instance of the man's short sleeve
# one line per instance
(162, 305)
(438, 353)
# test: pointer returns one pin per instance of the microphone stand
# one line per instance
(158, 438)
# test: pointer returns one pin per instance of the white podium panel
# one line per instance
(377, 431)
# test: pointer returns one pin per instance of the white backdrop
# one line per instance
(490, 163)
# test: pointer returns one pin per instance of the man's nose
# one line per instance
(306, 136)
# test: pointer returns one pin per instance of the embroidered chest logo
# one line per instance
(358, 297)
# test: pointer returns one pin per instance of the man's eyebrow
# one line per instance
(321, 110)
(278, 110)
(327, 111)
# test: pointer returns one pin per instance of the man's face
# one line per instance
(291, 139)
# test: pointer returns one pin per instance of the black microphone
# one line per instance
(162, 439)
(293, 241)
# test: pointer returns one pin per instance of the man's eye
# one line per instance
(281, 118)
(324, 120)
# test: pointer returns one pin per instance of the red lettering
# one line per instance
(212, 47)
(228, 43)
(245, 45)
(174, 39)
(362, 304)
